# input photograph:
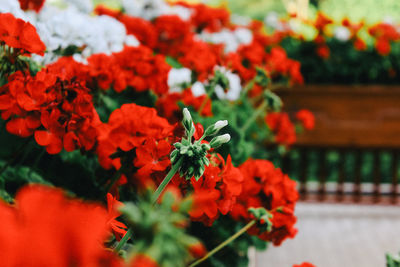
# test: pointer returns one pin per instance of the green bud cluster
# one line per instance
(263, 218)
(192, 156)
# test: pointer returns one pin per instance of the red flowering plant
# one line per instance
(105, 126)
(18, 40)
(342, 51)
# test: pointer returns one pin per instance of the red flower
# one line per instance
(143, 260)
(205, 196)
(323, 51)
(383, 47)
(52, 230)
(140, 69)
(304, 264)
(129, 127)
(283, 128)
(20, 35)
(306, 118)
(55, 100)
(197, 250)
(267, 187)
(208, 18)
(359, 44)
(31, 4)
(117, 227)
(152, 156)
(322, 21)
(172, 32)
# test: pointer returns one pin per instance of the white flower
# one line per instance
(234, 88)
(13, 7)
(63, 28)
(198, 89)
(150, 9)
(240, 20)
(178, 78)
(231, 39)
(243, 35)
(85, 6)
(272, 20)
(342, 33)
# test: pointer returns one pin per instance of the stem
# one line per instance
(124, 239)
(114, 179)
(255, 115)
(155, 197)
(249, 86)
(223, 244)
(203, 104)
(166, 180)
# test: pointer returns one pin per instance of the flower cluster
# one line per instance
(54, 107)
(53, 230)
(330, 49)
(20, 35)
(108, 89)
(266, 186)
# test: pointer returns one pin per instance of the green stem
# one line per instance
(203, 104)
(155, 197)
(255, 115)
(223, 244)
(249, 86)
(166, 180)
(124, 239)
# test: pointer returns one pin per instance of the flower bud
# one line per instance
(188, 122)
(214, 129)
(219, 140)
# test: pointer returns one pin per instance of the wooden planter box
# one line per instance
(348, 118)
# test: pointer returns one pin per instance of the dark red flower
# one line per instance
(323, 51)
(31, 4)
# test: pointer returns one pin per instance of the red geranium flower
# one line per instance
(20, 35)
(31, 4)
(306, 118)
(118, 228)
(52, 230)
(282, 127)
(267, 187)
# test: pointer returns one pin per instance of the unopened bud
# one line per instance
(214, 129)
(187, 121)
(219, 140)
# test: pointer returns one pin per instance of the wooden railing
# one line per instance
(355, 119)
